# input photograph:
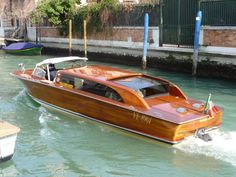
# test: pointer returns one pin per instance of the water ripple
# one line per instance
(21, 94)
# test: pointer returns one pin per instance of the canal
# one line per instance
(53, 144)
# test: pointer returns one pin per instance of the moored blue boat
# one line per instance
(23, 48)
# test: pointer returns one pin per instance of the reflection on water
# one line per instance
(55, 144)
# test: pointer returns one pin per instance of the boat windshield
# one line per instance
(144, 86)
(41, 68)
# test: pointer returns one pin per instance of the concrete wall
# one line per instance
(31, 32)
(2, 32)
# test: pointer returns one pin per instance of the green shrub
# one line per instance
(57, 12)
(98, 15)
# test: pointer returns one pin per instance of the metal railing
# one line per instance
(218, 12)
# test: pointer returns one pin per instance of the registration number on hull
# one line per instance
(142, 118)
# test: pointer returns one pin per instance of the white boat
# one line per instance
(8, 135)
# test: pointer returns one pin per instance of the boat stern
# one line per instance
(200, 127)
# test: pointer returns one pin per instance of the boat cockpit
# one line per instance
(47, 69)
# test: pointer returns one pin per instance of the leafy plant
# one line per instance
(98, 15)
(57, 12)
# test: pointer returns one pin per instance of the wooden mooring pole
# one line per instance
(145, 41)
(37, 33)
(196, 42)
(85, 39)
(70, 37)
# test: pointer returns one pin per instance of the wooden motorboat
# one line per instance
(135, 102)
(8, 136)
(23, 48)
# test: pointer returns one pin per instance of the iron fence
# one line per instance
(134, 15)
(218, 12)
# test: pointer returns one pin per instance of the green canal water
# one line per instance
(54, 144)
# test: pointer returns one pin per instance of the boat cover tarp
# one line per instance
(22, 46)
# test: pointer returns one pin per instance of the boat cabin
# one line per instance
(132, 101)
(121, 86)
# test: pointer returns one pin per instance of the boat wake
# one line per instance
(21, 94)
(23, 98)
(222, 146)
(45, 116)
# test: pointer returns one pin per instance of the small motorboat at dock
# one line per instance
(8, 136)
(23, 48)
(135, 102)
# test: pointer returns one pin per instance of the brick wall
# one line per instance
(219, 36)
(119, 34)
(49, 32)
(212, 36)
(116, 34)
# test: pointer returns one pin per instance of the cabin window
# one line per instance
(145, 87)
(52, 71)
(39, 72)
(78, 83)
(101, 90)
(69, 81)
(155, 90)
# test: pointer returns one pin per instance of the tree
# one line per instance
(18, 9)
(22, 9)
(3, 4)
(57, 12)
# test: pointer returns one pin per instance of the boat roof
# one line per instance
(116, 75)
(101, 72)
(61, 59)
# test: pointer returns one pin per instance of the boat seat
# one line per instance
(53, 74)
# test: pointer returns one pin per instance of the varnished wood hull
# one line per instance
(126, 118)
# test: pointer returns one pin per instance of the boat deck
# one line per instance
(7, 129)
